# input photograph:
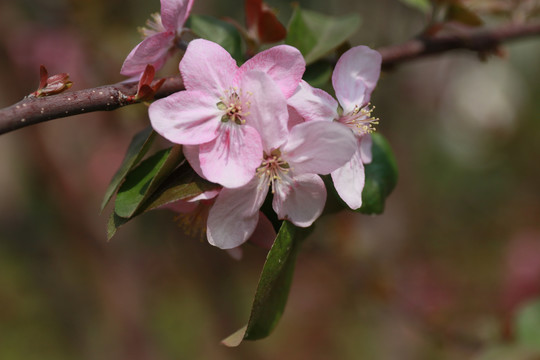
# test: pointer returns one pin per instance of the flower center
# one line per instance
(273, 169)
(153, 26)
(234, 107)
(360, 120)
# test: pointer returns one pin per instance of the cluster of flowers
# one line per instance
(259, 128)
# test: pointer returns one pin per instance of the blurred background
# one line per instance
(440, 275)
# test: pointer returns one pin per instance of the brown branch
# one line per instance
(33, 110)
(484, 40)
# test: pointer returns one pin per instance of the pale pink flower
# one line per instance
(354, 79)
(231, 113)
(290, 171)
(160, 37)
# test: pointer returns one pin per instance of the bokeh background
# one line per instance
(439, 275)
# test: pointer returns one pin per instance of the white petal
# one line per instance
(207, 67)
(365, 148)
(318, 147)
(268, 110)
(234, 216)
(283, 63)
(186, 117)
(355, 76)
(301, 202)
(232, 159)
(349, 181)
(313, 104)
(174, 13)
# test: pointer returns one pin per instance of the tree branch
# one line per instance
(33, 110)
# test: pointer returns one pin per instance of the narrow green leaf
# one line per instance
(528, 325)
(315, 34)
(273, 289)
(142, 181)
(218, 31)
(114, 223)
(421, 5)
(137, 149)
(381, 176)
(182, 183)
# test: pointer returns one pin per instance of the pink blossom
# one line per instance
(160, 37)
(229, 114)
(289, 170)
(354, 79)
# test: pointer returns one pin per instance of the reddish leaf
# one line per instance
(270, 29)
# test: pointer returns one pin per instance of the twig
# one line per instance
(484, 40)
(33, 110)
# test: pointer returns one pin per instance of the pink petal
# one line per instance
(294, 118)
(349, 181)
(313, 104)
(355, 76)
(232, 159)
(153, 50)
(284, 64)
(264, 234)
(186, 117)
(302, 202)
(174, 13)
(319, 147)
(207, 67)
(234, 216)
(365, 148)
(268, 111)
(205, 195)
(191, 153)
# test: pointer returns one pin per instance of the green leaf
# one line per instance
(528, 325)
(114, 223)
(315, 34)
(381, 176)
(273, 289)
(137, 149)
(422, 5)
(182, 183)
(218, 31)
(142, 181)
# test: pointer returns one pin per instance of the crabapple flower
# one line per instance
(229, 113)
(354, 79)
(160, 37)
(290, 171)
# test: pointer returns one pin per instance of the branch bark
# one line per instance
(33, 110)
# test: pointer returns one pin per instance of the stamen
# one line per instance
(273, 169)
(153, 26)
(360, 120)
(234, 105)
